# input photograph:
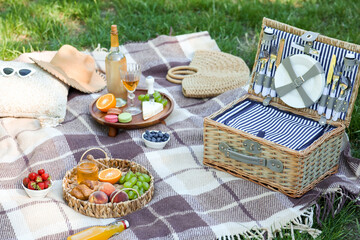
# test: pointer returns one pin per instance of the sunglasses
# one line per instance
(23, 72)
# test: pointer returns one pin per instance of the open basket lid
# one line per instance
(319, 57)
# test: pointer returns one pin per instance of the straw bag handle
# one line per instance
(177, 74)
(272, 164)
(106, 156)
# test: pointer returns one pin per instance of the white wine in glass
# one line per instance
(131, 78)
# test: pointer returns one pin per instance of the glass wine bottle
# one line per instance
(100, 232)
(113, 62)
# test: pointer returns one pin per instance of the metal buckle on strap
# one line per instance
(299, 81)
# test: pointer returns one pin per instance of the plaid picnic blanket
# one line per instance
(191, 201)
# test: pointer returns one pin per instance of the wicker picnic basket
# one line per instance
(109, 210)
(258, 160)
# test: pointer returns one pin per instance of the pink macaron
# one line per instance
(111, 118)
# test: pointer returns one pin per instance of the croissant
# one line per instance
(81, 192)
(93, 185)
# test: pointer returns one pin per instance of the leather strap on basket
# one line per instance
(177, 74)
(273, 164)
(297, 81)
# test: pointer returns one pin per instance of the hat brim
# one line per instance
(96, 83)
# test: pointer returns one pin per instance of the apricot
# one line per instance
(98, 197)
(118, 196)
(107, 188)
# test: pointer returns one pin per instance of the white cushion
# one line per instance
(39, 96)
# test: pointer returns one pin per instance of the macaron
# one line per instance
(111, 118)
(114, 111)
(125, 117)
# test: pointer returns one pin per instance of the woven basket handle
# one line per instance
(106, 156)
(123, 190)
(177, 74)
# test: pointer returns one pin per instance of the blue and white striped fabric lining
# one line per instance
(326, 52)
(287, 129)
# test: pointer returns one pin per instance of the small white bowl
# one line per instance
(155, 145)
(37, 193)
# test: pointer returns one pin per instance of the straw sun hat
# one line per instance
(75, 69)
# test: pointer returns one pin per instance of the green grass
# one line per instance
(344, 225)
(235, 25)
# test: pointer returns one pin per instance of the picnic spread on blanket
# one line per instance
(172, 138)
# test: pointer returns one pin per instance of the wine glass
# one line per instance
(130, 77)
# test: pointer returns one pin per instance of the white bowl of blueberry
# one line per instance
(155, 139)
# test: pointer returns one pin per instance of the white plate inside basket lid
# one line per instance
(307, 92)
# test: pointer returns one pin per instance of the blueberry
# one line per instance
(160, 134)
(166, 135)
(147, 132)
(153, 139)
(158, 139)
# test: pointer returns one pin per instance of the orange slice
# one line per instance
(111, 175)
(105, 102)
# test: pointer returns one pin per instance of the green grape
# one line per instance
(164, 102)
(135, 196)
(136, 187)
(138, 174)
(141, 179)
(128, 176)
(158, 99)
(146, 177)
(146, 98)
(131, 194)
(157, 94)
(128, 184)
(138, 190)
(146, 186)
(133, 180)
(141, 191)
(122, 179)
(141, 97)
(139, 183)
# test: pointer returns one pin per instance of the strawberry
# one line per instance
(26, 181)
(45, 176)
(41, 171)
(47, 184)
(32, 176)
(32, 185)
(38, 179)
(40, 186)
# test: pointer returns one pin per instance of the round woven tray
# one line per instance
(108, 210)
(209, 74)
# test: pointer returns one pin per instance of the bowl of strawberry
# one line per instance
(37, 185)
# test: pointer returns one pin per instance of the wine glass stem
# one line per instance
(131, 97)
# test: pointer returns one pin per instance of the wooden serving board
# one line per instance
(137, 120)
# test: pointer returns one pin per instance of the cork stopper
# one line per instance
(114, 29)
